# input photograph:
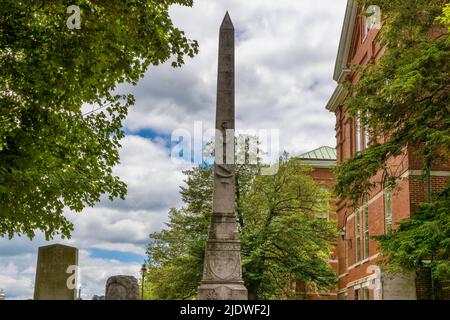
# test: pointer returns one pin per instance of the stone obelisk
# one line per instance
(222, 272)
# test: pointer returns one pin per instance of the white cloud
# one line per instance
(284, 61)
(152, 178)
(17, 275)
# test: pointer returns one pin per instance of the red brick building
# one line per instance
(321, 161)
(357, 252)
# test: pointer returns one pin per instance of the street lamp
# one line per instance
(143, 271)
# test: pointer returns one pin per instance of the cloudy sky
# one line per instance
(285, 53)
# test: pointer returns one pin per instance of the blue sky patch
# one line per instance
(126, 257)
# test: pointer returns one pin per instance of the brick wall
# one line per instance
(408, 193)
(419, 188)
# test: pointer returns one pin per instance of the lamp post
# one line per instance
(433, 285)
(143, 271)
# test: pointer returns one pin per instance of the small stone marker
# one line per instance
(56, 273)
(122, 288)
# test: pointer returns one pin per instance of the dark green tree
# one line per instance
(404, 97)
(52, 155)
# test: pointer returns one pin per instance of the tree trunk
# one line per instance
(253, 291)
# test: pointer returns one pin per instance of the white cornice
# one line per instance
(337, 98)
(319, 163)
(341, 68)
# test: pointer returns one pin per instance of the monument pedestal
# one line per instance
(222, 271)
(222, 291)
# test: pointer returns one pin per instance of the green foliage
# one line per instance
(176, 253)
(405, 94)
(445, 18)
(424, 237)
(51, 155)
(282, 240)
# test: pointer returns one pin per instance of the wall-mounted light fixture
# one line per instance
(343, 233)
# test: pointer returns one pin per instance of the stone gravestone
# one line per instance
(222, 272)
(122, 288)
(56, 273)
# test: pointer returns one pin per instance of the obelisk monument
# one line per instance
(222, 272)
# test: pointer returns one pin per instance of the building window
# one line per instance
(358, 235)
(357, 294)
(362, 135)
(358, 134)
(366, 135)
(324, 205)
(388, 209)
(366, 294)
(362, 293)
(366, 227)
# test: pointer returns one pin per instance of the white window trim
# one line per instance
(358, 134)
(388, 218)
(366, 232)
(358, 237)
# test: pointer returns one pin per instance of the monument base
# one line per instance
(222, 291)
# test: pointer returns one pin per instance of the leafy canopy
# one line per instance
(403, 97)
(423, 240)
(52, 155)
